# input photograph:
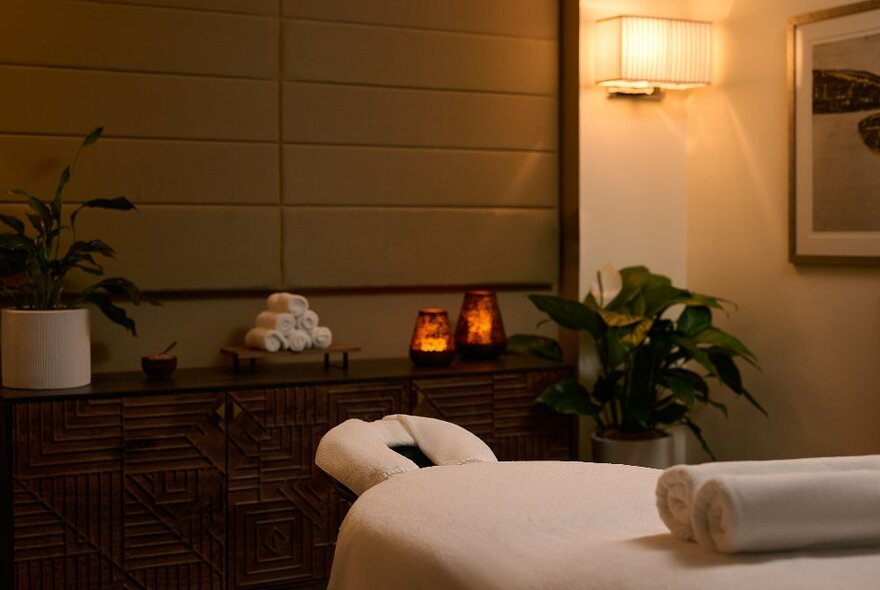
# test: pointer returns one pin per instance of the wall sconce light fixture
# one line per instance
(641, 56)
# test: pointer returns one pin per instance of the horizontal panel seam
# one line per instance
(219, 141)
(418, 29)
(550, 95)
(145, 205)
(111, 70)
(179, 8)
(423, 147)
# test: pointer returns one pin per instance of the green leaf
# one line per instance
(694, 320)
(698, 433)
(535, 346)
(729, 374)
(671, 414)
(59, 191)
(117, 203)
(682, 390)
(114, 313)
(570, 314)
(93, 136)
(567, 396)
(637, 334)
(13, 222)
(15, 242)
(716, 337)
(634, 279)
(42, 211)
(695, 353)
(615, 319)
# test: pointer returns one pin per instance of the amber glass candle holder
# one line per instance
(432, 344)
(480, 331)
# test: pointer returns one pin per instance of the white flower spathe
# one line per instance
(607, 285)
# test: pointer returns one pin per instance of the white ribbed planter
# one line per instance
(49, 349)
(649, 452)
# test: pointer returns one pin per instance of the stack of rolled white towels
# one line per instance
(287, 323)
(746, 506)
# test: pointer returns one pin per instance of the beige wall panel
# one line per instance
(136, 38)
(335, 175)
(330, 52)
(267, 7)
(520, 18)
(335, 247)
(146, 171)
(380, 324)
(159, 248)
(330, 113)
(141, 105)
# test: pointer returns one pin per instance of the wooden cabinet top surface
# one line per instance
(269, 375)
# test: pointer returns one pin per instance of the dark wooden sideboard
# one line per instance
(207, 480)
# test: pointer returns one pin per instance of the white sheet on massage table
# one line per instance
(552, 525)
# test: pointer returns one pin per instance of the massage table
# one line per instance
(553, 525)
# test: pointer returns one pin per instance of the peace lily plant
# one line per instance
(657, 350)
(34, 268)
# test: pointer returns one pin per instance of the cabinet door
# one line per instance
(67, 495)
(284, 514)
(500, 408)
(174, 499)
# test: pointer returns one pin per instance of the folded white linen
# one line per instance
(287, 303)
(444, 443)
(322, 337)
(298, 340)
(738, 513)
(357, 454)
(677, 485)
(283, 322)
(265, 339)
(308, 321)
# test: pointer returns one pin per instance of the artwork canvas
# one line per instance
(835, 100)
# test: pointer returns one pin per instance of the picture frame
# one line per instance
(834, 134)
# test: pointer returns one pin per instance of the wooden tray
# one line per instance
(242, 353)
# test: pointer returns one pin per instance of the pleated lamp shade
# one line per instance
(636, 52)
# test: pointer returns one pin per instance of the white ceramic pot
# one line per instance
(47, 349)
(646, 452)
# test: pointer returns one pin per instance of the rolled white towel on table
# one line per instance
(287, 303)
(283, 322)
(677, 485)
(298, 340)
(738, 513)
(308, 321)
(322, 337)
(265, 339)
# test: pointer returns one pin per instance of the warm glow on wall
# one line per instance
(637, 54)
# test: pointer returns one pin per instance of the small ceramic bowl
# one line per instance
(159, 365)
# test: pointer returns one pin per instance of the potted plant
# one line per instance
(45, 338)
(654, 362)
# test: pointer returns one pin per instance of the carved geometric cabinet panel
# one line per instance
(217, 489)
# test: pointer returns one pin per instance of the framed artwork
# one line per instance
(834, 101)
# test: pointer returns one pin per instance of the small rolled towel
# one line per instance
(283, 322)
(308, 321)
(287, 303)
(322, 337)
(677, 485)
(738, 513)
(265, 339)
(298, 340)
